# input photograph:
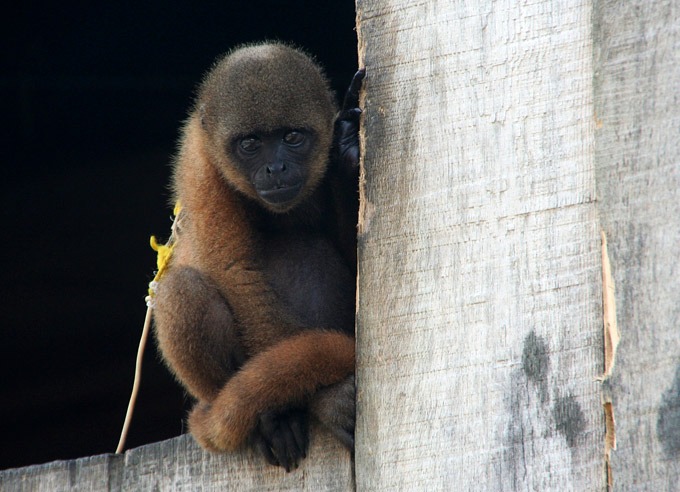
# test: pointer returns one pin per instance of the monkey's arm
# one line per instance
(198, 338)
(285, 375)
(267, 397)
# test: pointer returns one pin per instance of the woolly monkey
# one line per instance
(255, 315)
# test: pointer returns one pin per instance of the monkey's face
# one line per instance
(276, 163)
(268, 114)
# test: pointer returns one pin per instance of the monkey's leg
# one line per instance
(282, 377)
(196, 333)
(334, 406)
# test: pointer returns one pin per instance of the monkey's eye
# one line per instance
(294, 138)
(250, 144)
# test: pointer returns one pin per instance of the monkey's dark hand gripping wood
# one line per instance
(346, 135)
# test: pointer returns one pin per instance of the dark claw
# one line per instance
(300, 435)
(263, 447)
(352, 94)
(345, 437)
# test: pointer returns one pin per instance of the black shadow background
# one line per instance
(93, 96)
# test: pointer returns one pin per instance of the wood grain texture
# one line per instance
(181, 465)
(637, 142)
(479, 317)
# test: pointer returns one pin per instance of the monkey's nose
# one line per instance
(276, 168)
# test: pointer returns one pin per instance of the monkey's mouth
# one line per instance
(280, 195)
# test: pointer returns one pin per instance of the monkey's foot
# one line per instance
(334, 407)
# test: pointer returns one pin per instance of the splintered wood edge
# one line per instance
(611, 342)
(611, 330)
(364, 207)
(609, 439)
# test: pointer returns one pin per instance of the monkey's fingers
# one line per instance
(284, 446)
(352, 94)
(301, 435)
(282, 438)
(264, 448)
(346, 437)
(348, 117)
(278, 377)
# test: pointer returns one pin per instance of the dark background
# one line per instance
(92, 98)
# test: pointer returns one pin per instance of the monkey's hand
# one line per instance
(346, 133)
(282, 378)
(334, 407)
(282, 437)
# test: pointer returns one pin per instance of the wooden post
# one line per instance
(637, 152)
(181, 465)
(480, 320)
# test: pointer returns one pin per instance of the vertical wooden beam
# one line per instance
(479, 316)
(637, 149)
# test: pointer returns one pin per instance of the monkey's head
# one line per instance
(268, 114)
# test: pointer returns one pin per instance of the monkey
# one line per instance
(255, 314)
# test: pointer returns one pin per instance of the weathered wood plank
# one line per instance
(479, 316)
(637, 99)
(181, 465)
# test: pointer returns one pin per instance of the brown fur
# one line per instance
(234, 98)
(286, 373)
(232, 318)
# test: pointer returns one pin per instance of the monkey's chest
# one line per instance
(312, 281)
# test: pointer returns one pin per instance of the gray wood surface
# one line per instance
(181, 465)
(637, 143)
(480, 303)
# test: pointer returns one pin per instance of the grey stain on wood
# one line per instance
(668, 424)
(569, 419)
(518, 436)
(536, 363)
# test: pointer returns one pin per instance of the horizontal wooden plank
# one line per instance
(181, 465)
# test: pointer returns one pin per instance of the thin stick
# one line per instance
(135, 384)
(164, 254)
